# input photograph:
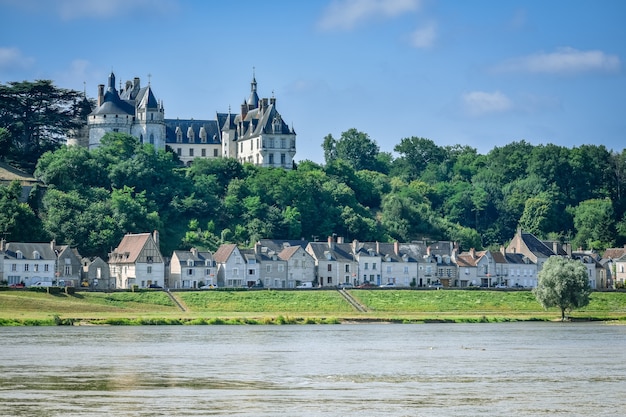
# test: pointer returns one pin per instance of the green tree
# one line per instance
(18, 222)
(595, 224)
(358, 150)
(416, 154)
(38, 116)
(562, 283)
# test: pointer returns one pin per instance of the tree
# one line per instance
(562, 283)
(594, 221)
(37, 116)
(357, 149)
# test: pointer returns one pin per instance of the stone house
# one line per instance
(27, 263)
(192, 269)
(96, 275)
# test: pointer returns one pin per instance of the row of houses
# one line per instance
(290, 263)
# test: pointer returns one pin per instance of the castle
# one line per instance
(257, 135)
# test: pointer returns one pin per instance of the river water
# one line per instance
(365, 370)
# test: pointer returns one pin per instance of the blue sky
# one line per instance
(481, 73)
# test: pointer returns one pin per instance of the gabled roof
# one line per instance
(340, 252)
(466, 259)
(223, 252)
(130, 248)
(614, 253)
(288, 252)
(277, 245)
(536, 246)
(198, 257)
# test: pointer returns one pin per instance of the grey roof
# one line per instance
(210, 126)
(198, 258)
(27, 249)
(339, 252)
(516, 258)
(277, 245)
(536, 246)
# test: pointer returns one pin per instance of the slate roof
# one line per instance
(340, 251)
(45, 250)
(198, 259)
(277, 245)
(211, 127)
(536, 246)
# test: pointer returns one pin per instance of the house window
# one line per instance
(406, 270)
(98, 273)
(179, 151)
(271, 159)
(347, 268)
(388, 269)
(281, 268)
(251, 271)
(46, 268)
(68, 270)
(149, 259)
(283, 159)
(190, 151)
(373, 265)
(329, 267)
(203, 152)
(367, 265)
(151, 139)
(329, 280)
(149, 270)
(189, 271)
(215, 153)
(235, 272)
(14, 267)
(25, 267)
(36, 255)
(268, 268)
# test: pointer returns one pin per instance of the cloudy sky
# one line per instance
(481, 73)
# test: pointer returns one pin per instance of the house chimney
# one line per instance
(339, 239)
(428, 251)
(502, 251)
(555, 247)
(377, 247)
(2, 243)
(257, 248)
(472, 253)
(331, 243)
(396, 247)
(100, 94)
(53, 243)
(155, 236)
(194, 251)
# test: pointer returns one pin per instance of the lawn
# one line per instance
(273, 306)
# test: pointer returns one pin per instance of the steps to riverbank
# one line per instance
(176, 300)
(353, 301)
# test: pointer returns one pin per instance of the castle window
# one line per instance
(283, 159)
(203, 134)
(141, 138)
(190, 135)
(179, 134)
(190, 151)
(151, 116)
(215, 153)
(271, 159)
(151, 139)
(179, 151)
(282, 143)
(203, 152)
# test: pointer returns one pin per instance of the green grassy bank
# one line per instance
(24, 307)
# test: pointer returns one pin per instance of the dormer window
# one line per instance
(190, 135)
(19, 255)
(189, 262)
(202, 134)
(36, 255)
(179, 134)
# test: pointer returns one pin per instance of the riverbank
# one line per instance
(24, 307)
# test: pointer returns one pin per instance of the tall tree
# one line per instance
(37, 116)
(562, 283)
(358, 150)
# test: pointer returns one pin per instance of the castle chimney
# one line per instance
(100, 94)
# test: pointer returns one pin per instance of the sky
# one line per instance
(477, 73)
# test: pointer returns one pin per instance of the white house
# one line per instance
(230, 266)
(28, 263)
(191, 269)
(137, 261)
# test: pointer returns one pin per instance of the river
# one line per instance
(364, 370)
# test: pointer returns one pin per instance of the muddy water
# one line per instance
(514, 369)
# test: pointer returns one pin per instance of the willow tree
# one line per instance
(563, 283)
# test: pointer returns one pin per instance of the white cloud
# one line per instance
(478, 103)
(563, 61)
(12, 58)
(346, 14)
(424, 37)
